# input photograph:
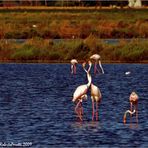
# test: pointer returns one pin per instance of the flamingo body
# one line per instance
(80, 92)
(95, 57)
(74, 61)
(133, 98)
(95, 93)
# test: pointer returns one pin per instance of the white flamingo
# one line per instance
(97, 57)
(133, 103)
(95, 97)
(80, 94)
(73, 66)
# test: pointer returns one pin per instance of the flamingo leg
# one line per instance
(95, 68)
(131, 111)
(93, 110)
(77, 108)
(78, 112)
(96, 111)
(101, 67)
(81, 111)
(74, 69)
(137, 113)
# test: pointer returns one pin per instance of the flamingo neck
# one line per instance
(85, 69)
(88, 75)
(72, 67)
(130, 112)
(101, 66)
(89, 79)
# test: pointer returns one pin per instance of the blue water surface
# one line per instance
(36, 107)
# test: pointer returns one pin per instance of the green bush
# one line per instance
(133, 51)
(37, 49)
(25, 53)
(77, 49)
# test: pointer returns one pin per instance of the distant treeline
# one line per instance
(84, 3)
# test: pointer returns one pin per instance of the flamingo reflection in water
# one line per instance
(133, 103)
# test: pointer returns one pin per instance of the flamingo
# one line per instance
(133, 103)
(97, 57)
(80, 94)
(73, 66)
(95, 97)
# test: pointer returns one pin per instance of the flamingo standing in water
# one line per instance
(80, 94)
(73, 66)
(97, 57)
(133, 103)
(95, 97)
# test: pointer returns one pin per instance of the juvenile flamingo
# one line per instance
(133, 103)
(80, 94)
(95, 97)
(97, 57)
(73, 66)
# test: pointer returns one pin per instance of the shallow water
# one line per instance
(36, 107)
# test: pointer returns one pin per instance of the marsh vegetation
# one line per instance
(80, 33)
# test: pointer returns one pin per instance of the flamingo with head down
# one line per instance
(96, 58)
(81, 93)
(73, 66)
(133, 103)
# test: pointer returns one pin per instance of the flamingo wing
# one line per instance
(95, 92)
(79, 92)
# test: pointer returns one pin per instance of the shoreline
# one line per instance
(68, 62)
